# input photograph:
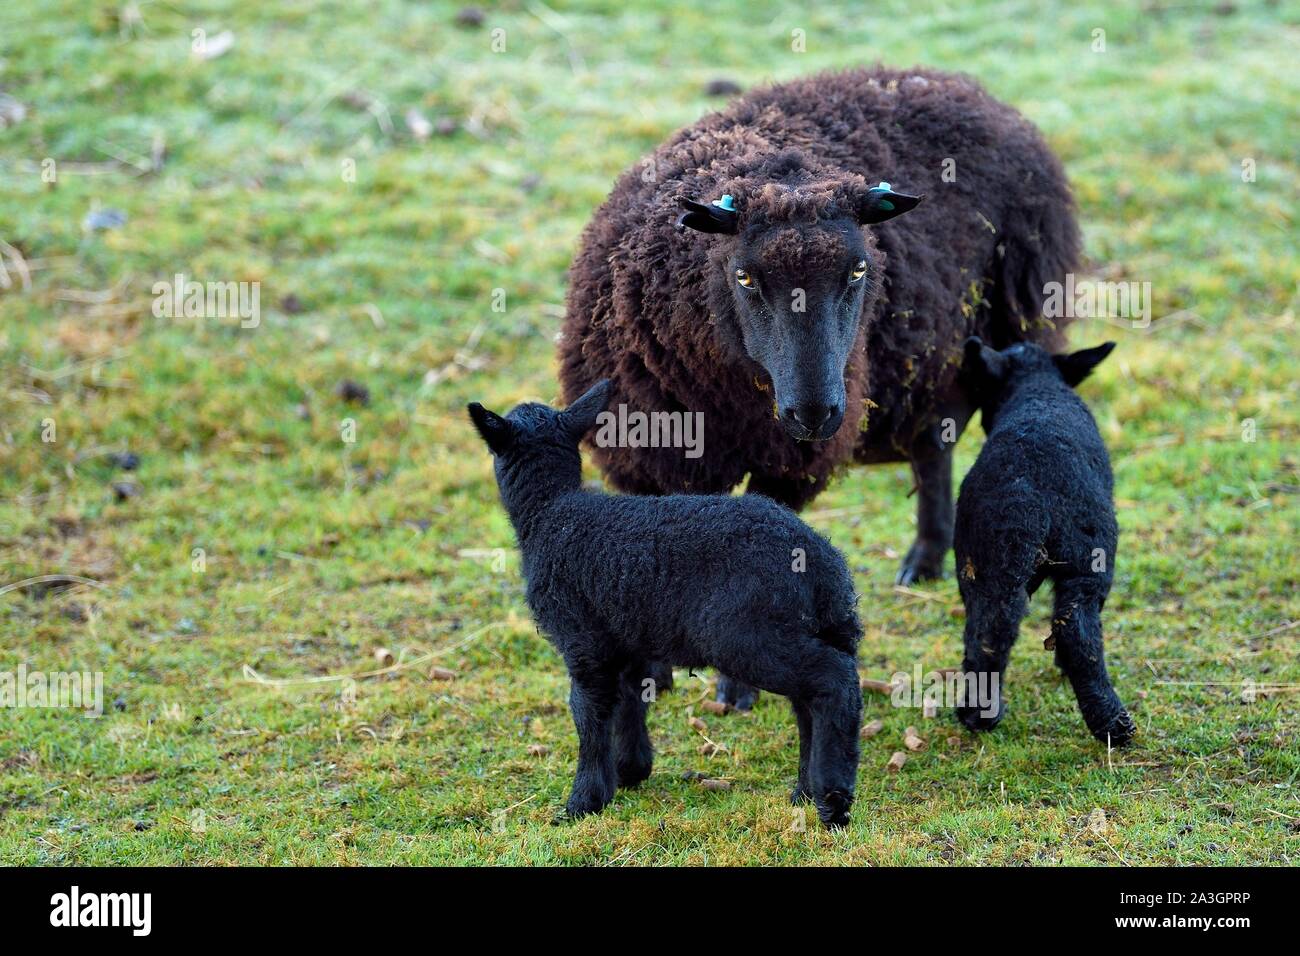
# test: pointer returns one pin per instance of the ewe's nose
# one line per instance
(813, 417)
(812, 421)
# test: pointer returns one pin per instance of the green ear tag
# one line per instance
(885, 204)
(726, 202)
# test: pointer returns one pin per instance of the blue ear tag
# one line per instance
(726, 202)
(884, 187)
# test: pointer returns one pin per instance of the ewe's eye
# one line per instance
(744, 279)
(859, 270)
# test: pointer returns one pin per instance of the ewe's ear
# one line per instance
(582, 414)
(1077, 366)
(883, 203)
(495, 430)
(981, 365)
(719, 216)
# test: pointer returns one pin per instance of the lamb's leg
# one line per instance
(803, 717)
(592, 700)
(1076, 628)
(931, 460)
(836, 718)
(634, 755)
(994, 610)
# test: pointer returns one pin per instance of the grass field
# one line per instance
(255, 545)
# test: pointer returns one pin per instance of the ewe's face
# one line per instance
(799, 270)
(799, 291)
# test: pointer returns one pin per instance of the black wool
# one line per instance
(1037, 506)
(623, 586)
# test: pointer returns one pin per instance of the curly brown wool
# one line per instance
(654, 309)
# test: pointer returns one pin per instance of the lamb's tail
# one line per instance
(1039, 245)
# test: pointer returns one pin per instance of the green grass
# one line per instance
(317, 551)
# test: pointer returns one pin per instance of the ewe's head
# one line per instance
(540, 438)
(794, 264)
(988, 375)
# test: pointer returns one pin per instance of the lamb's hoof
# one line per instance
(978, 719)
(833, 808)
(924, 562)
(633, 774)
(800, 794)
(739, 695)
(582, 804)
(1118, 731)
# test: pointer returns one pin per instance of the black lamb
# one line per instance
(1037, 505)
(619, 583)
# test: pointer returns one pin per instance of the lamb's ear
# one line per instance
(1076, 366)
(981, 365)
(496, 431)
(711, 218)
(882, 203)
(582, 414)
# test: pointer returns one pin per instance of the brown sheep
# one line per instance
(808, 325)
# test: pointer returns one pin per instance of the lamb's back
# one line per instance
(1043, 478)
(667, 565)
(1051, 439)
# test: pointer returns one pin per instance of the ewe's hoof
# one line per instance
(739, 695)
(924, 562)
(1119, 731)
(662, 675)
(833, 808)
(973, 718)
(800, 794)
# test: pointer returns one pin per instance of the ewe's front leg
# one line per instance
(662, 675)
(736, 693)
(794, 493)
(932, 467)
(934, 516)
